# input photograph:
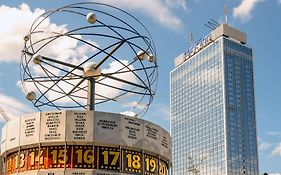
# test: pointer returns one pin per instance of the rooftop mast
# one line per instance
(225, 13)
(190, 39)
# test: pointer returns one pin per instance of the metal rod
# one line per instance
(109, 54)
(123, 81)
(57, 61)
(76, 86)
(217, 24)
(91, 95)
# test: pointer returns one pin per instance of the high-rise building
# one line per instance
(212, 98)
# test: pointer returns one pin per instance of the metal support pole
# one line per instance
(91, 107)
(91, 94)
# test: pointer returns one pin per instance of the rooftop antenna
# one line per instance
(212, 24)
(225, 13)
(215, 22)
(209, 26)
(190, 39)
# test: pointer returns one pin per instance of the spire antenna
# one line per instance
(225, 13)
(190, 39)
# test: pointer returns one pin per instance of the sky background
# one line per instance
(170, 22)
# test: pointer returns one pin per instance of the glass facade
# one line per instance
(213, 112)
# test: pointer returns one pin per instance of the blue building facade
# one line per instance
(212, 106)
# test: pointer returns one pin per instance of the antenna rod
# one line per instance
(212, 24)
(215, 22)
(209, 26)
(225, 13)
(190, 39)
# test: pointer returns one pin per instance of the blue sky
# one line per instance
(169, 22)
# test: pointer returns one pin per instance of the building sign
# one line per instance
(53, 126)
(13, 135)
(165, 143)
(79, 126)
(131, 132)
(202, 43)
(151, 137)
(107, 128)
(29, 130)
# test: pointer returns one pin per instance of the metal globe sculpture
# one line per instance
(96, 57)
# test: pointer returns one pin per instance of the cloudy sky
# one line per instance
(169, 22)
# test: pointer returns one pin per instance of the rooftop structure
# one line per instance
(223, 30)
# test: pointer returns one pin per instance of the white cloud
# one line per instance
(114, 67)
(277, 150)
(274, 174)
(264, 146)
(243, 11)
(12, 107)
(155, 9)
(279, 2)
(129, 113)
(16, 22)
(177, 3)
(273, 133)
